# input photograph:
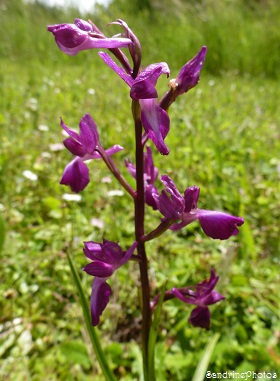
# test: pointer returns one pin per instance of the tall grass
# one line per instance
(242, 37)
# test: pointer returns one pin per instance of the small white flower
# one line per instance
(106, 179)
(97, 223)
(30, 175)
(91, 91)
(43, 127)
(115, 192)
(56, 147)
(32, 104)
(46, 155)
(72, 197)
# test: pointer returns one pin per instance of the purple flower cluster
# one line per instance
(152, 114)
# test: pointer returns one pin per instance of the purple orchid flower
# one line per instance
(82, 35)
(155, 120)
(85, 147)
(150, 176)
(217, 225)
(106, 259)
(187, 78)
(202, 296)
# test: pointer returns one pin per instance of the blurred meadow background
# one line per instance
(224, 137)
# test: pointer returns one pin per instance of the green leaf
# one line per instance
(91, 330)
(75, 352)
(201, 368)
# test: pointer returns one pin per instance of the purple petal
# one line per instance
(151, 193)
(207, 285)
(92, 250)
(177, 200)
(150, 170)
(128, 254)
(73, 38)
(99, 269)
(111, 151)
(144, 85)
(143, 90)
(67, 36)
(120, 71)
(189, 74)
(212, 298)
(171, 188)
(74, 147)
(70, 132)
(219, 225)
(76, 175)
(191, 196)
(112, 253)
(200, 317)
(181, 295)
(152, 72)
(89, 137)
(100, 296)
(155, 122)
(134, 48)
(108, 252)
(167, 207)
(131, 168)
(83, 25)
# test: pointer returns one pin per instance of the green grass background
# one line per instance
(224, 138)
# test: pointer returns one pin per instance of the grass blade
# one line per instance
(91, 330)
(201, 368)
(2, 232)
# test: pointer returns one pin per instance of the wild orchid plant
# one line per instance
(151, 122)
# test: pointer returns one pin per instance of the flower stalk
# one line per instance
(139, 210)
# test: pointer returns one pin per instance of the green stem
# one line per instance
(91, 330)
